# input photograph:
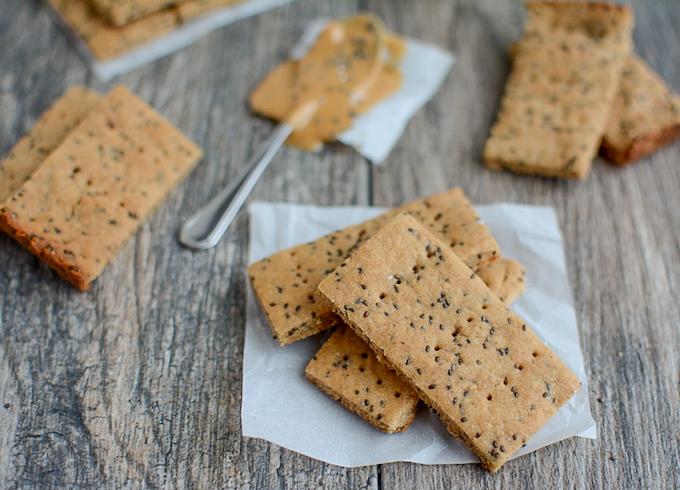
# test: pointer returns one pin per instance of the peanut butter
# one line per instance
(352, 66)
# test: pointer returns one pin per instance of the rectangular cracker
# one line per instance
(285, 283)
(432, 320)
(121, 12)
(347, 370)
(94, 191)
(564, 78)
(644, 117)
(196, 8)
(106, 41)
(45, 135)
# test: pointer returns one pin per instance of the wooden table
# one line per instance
(137, 383)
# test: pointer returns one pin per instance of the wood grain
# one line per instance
(137, 383)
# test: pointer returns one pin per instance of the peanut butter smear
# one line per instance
(352, 66)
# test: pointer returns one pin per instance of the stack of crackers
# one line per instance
(419, 301)
(576, 88)
(86, 176)
(110, 28)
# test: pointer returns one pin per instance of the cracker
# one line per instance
(196, 8)
(346, 369)
(121, 12)
(432, 320)
(285, 283)
(45, 135)
(106, 41)
(93, 192)
(645, 115)
(564, 78)
(505, 277)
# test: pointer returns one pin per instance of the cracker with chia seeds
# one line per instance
(45, 135)
(106, 41)
(347, 370)
(285, 283)
(94, 191)
(564, 77)
(644, 117)
(426, 315)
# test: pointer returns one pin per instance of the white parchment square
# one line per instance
(424, 68)
(281, 406)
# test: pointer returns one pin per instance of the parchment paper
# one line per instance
(374, 133)
(281, 406)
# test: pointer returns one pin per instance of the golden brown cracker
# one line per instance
(93, 192)
(106, 41)
(347, 370)
(45, 135)
(645, 115)
(435, 322)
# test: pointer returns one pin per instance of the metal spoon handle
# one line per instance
(206, 227)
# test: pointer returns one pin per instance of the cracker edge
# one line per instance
(496, 164)
(356, 409)
(324, 387)
(10, 227)
(639, 147)
(291, 339)
(580, 4)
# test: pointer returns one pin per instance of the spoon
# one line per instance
(205, 228)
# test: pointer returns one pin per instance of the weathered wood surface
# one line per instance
(137, 383)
